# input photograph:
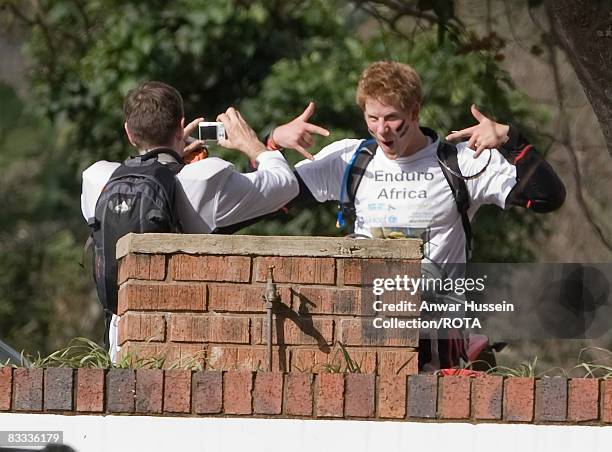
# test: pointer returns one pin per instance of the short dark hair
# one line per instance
(153, 111)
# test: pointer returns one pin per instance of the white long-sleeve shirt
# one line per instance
(210, 192)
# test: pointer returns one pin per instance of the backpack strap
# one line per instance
(350, 182)
(447, 156)
(155, 152)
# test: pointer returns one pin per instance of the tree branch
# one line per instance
(567, 144)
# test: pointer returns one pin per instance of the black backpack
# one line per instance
(138, 197)
(447, 157)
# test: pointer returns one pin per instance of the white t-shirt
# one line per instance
(411, 193)
(210, 192)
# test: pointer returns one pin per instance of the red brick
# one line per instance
(207, 392)
(360, 393)
(518, 399)
(170, 355)
(351, 270)
(136, 353)
(150, 267)
(191, 356)
(298, 394)
(361, 332)
(245, 358)
(302, 270)
(177, 391)
(330, 395)
(162, 297)
(90, 390)
(268, 393)
(27, 389)
(211, 268)
(398, 362)
(242, 297)
(307, 331)
(142, 351)
(487, 394)
(606, 402)
(422, 396)
(6, 384)
(142, 327)
(58, 382)
(363, 361)
(392, 396)
(314, 360)
(209, 328)
(149, 390)
(551, 399)
(455, 397)
(237, 387)
(583, 399)
(330, 300)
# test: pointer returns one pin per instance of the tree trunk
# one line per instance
(584, 29)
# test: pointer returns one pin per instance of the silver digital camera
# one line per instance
(211, 131)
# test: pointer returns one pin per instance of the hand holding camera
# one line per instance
(237, 134)
(192, 145)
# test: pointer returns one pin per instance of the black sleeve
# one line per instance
(538, 187)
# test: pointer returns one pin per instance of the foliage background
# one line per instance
(268, 58)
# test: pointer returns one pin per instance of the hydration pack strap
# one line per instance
(350, 182)
(447, 153)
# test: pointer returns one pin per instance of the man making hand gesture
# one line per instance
(410, 179)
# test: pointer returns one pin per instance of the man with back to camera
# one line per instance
(405, 183)
(210, 193)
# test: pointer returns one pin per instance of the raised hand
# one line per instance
(297, 134)
(239, 135)
(487, 134)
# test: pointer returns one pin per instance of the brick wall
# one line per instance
(324, 395)
(199, 296)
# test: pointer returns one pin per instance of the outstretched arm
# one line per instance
(538, 187)
(303, 199)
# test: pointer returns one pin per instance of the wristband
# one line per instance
(271, 144)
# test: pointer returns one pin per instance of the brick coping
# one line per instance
(217, 244)
(431, 398)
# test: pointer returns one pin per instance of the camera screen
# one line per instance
(208, 133)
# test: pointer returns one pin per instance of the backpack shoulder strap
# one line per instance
(153, 153)
(447, 157)
(353, 174)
